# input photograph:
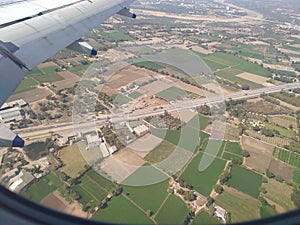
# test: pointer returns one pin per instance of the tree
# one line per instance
(279, 178)
(209, 202)
(269, 174)
(189, 196)
(218, 188)
(245, 153)
(149, 213)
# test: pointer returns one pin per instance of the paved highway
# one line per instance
(73, 128)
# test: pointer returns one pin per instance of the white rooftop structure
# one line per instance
(104, 150)
(8, 105)
(141, 130)
(8, 115)
(112, 149)
(220, 213)
(93, 141)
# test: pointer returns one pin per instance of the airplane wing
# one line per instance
(31, 31)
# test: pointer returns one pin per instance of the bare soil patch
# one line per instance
(129, 157)
(46, 65)
(184, 116)
(144, 145)
(187, 87)
(260, 153)
(32, 95)
(70, 79)
(281, 169)
(155, 87)
(201, 50)
(127, 76)
(55, 201)
(252, 77)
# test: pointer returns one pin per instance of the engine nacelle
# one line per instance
(82, 47)
(126, 12)
(9, 139)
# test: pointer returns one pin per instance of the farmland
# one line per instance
(245, 180)
(282, 131)
(233, 147)
(135, 95)
(92, 188)
(283, 121)
(26, 85)
(122, 211)
(148, 197)
(73, 161)
(260, 153)
(280, 194)
(286, 156)
(116, 36)
(160, 152)
(171, 93)
(36, 150)
(43, 187)
(203, 218)
(241, 206)
(203, 181)
(175, 207)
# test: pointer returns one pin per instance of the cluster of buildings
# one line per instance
(97, 142)
(12, 111)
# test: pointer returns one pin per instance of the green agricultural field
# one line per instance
(242, 208)
(173, 211)
(287, 156)
(214, 66)
(203, 218)
(120, 99)
(230, 156)
(169, 135)
(34, 72)
(117, 36)
(200, 120)
(245, 180)
(214, 147)
(282, 131)
(233, 147)
(86, 83)
(148, 197)
(267, 211)
(296, 177)
(73, 161)
(149, 65)
(172, 93)
(50, 70)
(161, 152)
(36, 150)
(26, 85)
(122, 211)
(230, 74)
(203, 182)
(135, 95)
(42, 188)
(91, 190)
(79, 70)
(279, 193)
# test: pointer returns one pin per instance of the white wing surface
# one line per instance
(31, 31)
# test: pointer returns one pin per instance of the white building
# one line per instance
(13, 114)
(104, 150)
(93, 141)
(141, 130)
(112, 149)
(220, 213)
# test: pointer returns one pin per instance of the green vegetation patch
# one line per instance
(203, 218)
(122, 211)
(92, 188)
(287, 156)
(79, 70)
(117, 36)
(245, 180)
(172, 93)
(279, 193)
(73, 161)
(42, 188)
(282, 131)
(26, 85)
(135, 95)
(233, 147)
(198, 122)
(230, 156)
(36, 150)
(120, 99)
(242, 208)
(149, 65)
(173, 211)
(149, 197)
(296, 177)
(267, 211)
(204, 181)
(48, 78)
(161, 152)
